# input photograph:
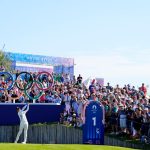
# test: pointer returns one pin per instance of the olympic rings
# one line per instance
(46, 80)
(37, 84)
(9, 81)
(26, 80)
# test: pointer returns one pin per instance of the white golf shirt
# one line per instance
(22, 114)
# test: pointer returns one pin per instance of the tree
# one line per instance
(5, 61)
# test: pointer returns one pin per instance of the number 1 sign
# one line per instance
(93, 129)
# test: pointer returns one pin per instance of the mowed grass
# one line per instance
(58, 147)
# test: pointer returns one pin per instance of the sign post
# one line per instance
(93, 129)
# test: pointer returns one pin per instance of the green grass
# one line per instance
(58, 147)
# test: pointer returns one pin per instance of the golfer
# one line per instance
(23, 123)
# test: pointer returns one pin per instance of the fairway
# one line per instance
(57, 147)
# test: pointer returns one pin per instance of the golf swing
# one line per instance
(23, 123)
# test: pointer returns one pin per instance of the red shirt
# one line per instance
(143, 88)
(42, 98)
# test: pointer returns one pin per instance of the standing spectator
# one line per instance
(67, 99)
(67, 78)
(129, 119)
(108, 87)
(79, 79)
(3, 97)
(137, 122)
(74, 80)
(122, 119)
(146, 121)
(114, 119)
(75, 105)
(42, 98)
(80, 106)
(62, 78)
(92, 87)
(144, 89)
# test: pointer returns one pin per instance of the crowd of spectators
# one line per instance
(127, 109)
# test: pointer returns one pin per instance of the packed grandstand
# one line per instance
(127, 109)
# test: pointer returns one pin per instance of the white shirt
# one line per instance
(22, 114)
(67, 99)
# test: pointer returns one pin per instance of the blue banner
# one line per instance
(39, 59)
(93, 130)
(38, 113)
(60, 64)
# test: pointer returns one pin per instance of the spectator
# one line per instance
(42, 99)
(114, 119)
(122, 118)
(3, 97)
(62, 79)
(143, 89)
(92, 87)
(79, 79)
(67, 78)
(67, 99)
(57, 99)
(137, 122)
(146, 120)
(108, 87)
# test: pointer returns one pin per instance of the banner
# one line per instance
(93, 130)
(38, 113)
(100, 81)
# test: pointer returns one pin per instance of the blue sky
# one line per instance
(108, 39)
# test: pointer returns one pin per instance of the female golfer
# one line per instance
(23, 123)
